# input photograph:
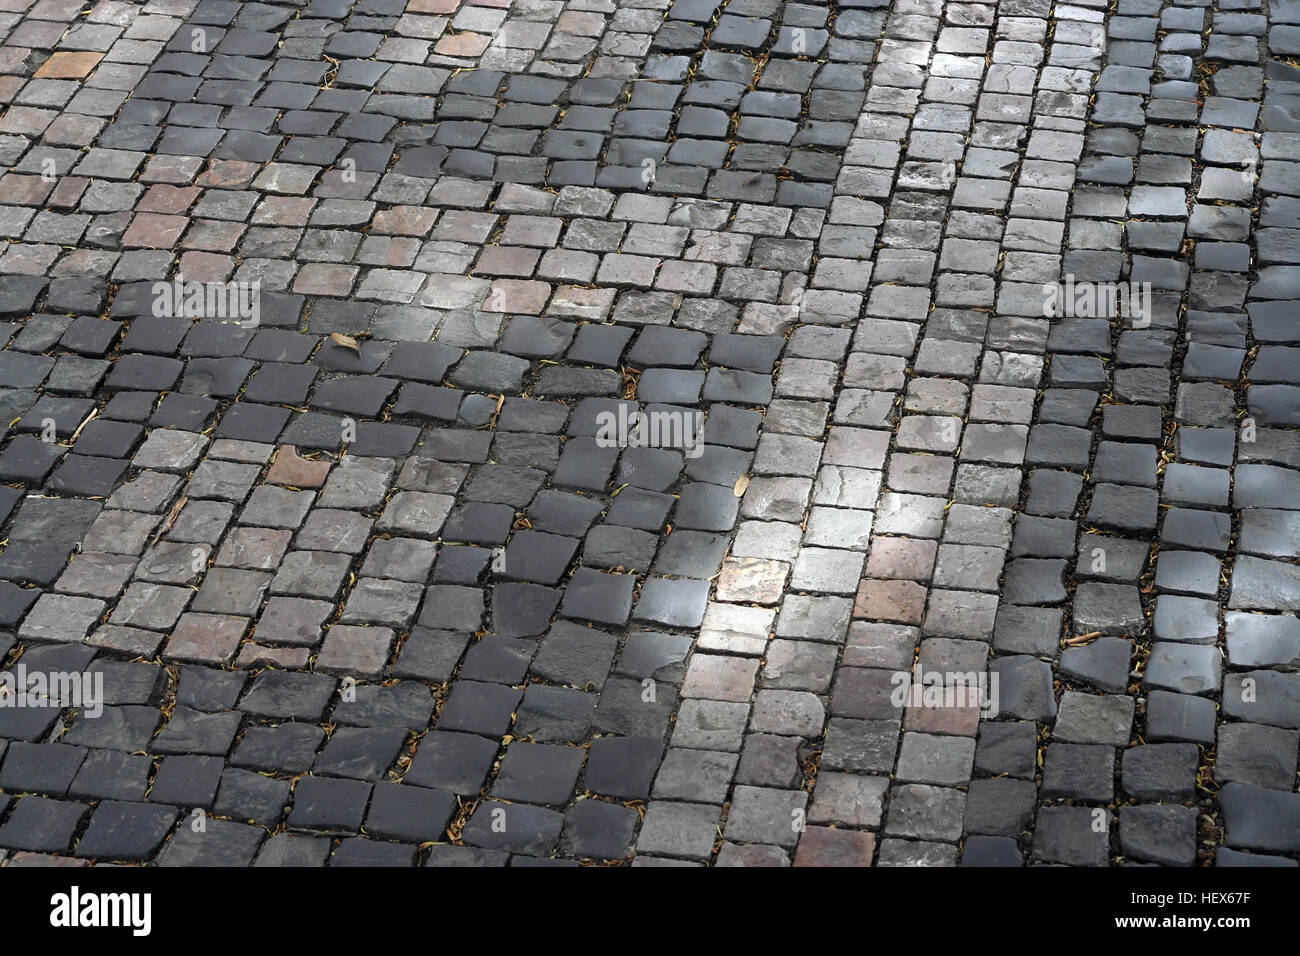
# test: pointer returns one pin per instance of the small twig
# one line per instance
(1080, 639)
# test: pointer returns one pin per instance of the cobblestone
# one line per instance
(457, 442)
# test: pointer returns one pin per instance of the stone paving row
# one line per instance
(1158, 531)
(950, 383)
(991, 233)
(368, 582)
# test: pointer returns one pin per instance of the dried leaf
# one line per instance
(345, 341)
(741, 484)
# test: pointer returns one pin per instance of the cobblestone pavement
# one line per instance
(427, 560)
